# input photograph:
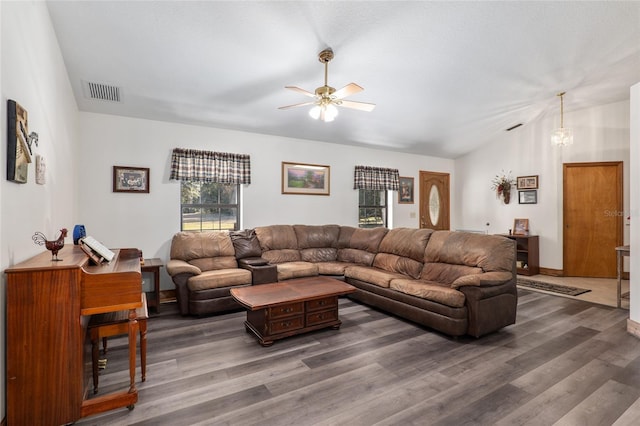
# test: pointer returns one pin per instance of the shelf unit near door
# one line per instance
(527, 254)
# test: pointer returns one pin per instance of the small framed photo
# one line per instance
(521, 227)
(130, 179)
(307, 179)
(527, 182)
(405, 194)
(528, 197)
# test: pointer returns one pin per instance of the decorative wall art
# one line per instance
(501, 184)
(18, 149)
(521, 227)
(528, 197)
(41, 168)
(527, 182)
(405, 194)
(130, 179)
(309, 179)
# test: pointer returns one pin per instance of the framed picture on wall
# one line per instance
(405, 194)
(528, 197)
(527, 182)
(307, 179)
(130, 179)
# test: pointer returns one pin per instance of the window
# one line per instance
(372, 208)
(209, 206)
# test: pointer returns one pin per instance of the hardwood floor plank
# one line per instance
(603, 406)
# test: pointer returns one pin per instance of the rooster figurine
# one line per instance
(54, 246)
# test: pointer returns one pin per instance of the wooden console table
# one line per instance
(620, 253)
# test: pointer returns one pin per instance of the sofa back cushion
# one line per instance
(450, 255)
(359, 245)
(317, 243)
(279, 243)
(402, 250)
(207, 250)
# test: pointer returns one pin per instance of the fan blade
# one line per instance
(347, 90)
(296, 105)
(362, 106)
(299, 90)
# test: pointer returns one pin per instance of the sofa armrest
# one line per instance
(182, 291)
(177, 266)
(484, 279)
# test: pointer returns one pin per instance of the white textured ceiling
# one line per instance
(447, 77)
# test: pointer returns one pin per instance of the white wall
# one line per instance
(33, 74)
(634, 273)
(148, 221)
(600, 134)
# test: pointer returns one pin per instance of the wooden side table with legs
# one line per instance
(153, 266)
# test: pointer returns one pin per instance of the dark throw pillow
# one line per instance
(246, 243)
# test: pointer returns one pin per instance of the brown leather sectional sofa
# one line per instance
(455, 282)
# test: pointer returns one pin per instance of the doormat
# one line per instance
(555, 288)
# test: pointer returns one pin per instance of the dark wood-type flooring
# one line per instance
(565, 362)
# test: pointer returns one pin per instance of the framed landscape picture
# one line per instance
(405, 194)
(130, 179)
(528, 197)
(307, 179)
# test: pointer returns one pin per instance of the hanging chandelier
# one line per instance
(562, 136)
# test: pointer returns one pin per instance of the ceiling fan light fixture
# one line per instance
(324, 113)
(562, 136)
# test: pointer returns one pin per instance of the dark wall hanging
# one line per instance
(18, 148)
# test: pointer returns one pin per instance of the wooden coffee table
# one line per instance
(287, 308)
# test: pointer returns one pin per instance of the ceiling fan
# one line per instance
(327, 98)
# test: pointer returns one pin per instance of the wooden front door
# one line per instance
(434, 200)
(593, 218)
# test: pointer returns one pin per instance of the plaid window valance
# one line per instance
(376, 178)
(208, 166)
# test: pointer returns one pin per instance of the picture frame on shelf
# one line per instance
(405, 194)
(131, 179)
(521, 227)
(529, 196)
(527, 182)
(306, 179)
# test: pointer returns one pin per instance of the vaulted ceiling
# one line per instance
(446, 77)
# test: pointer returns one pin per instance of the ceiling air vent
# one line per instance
(101, 92)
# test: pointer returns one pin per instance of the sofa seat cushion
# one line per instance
(430, 291)
(372, 275)
(333, 268)
(219, 278)
(290, 270)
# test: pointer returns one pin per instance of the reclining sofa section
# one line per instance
(455, 282)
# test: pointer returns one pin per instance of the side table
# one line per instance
(153, 266)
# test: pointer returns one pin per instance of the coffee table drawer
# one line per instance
(288, 324)
(286, 310)
(321, 317)
(324, 303)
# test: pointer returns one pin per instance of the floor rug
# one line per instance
(555, 288)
